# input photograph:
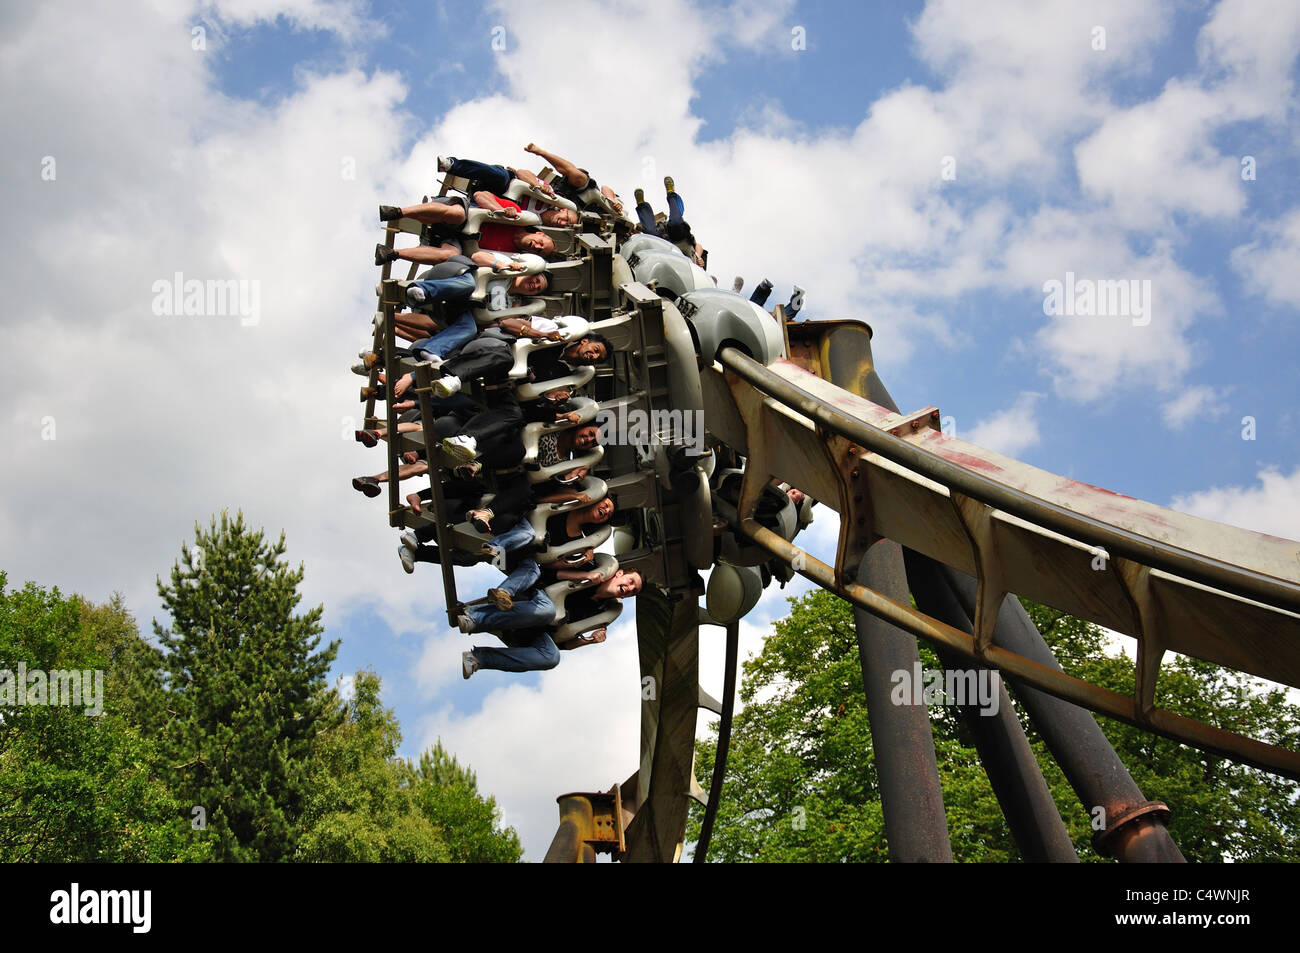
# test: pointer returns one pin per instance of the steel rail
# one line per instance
(1260, 754)
(1270, 590)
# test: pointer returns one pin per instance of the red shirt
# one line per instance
(497, 237)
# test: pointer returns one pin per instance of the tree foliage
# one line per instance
(246, 689)
(801, 780)
(73, 786)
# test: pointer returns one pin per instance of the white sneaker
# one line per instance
(465, 622)
(407, 557)
(446, 386)
(360, 368)
(415, 296)
(444, 164)
(410, 541)
(462, 448)
(468, 664)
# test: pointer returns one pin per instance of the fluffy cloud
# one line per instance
(1011, 431)
(1270, 506)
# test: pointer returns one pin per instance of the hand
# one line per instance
(583, 499)
(598, 635)
(572, 416)
(531, 148)
(552, 336)
(410, 456)
(508, 212)
(617, 206)
(594, 576)
(795, 494)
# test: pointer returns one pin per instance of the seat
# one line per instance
(539, 474)
(587, 410)
(579, 378)
(520, 191)
(477, 216)
(572, 328)
(558, 551)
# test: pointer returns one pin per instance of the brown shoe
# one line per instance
(501, 599)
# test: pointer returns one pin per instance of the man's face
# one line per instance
(559, 217)
(586, 438)
(530, 284)
(539, 243)
(588, 350)
(626, 583)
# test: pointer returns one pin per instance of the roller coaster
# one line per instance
(734, 406)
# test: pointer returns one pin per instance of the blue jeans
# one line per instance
(537, 655)
(646, 214)
(523, 578)
(528, 614)
(451, 338)
(493, 178)
(445, 289)
(521, 534)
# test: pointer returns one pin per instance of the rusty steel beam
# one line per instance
(1259, 754)
(911, 799)
(1133, 828)
(999, 739)
(576, 827)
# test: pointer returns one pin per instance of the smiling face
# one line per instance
(586, 438)
(530, 284)
(539, 243)
(586, 350)
(622, 584)
(559, 217)
(600, 512)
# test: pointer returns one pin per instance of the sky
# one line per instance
(930, 168)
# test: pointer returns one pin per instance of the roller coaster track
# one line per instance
(1170, 581)
(922, 515)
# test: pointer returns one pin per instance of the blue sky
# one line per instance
(821, 165)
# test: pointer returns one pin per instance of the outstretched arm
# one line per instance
(575, 176)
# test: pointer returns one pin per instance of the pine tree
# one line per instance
(245, 688)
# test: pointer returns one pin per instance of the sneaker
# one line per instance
(368, 437)
(468, 664)
(367, 485)
(416, 297)
(462, 448)
(445, 387)
(408, 559)
(668, 184)
(384, 254)
(427, 357)
(737, 284)
(465, 622)
(389, 213)
(444, 163)
(361, 369)
(501, 599)
(639, 194)
(410, 540)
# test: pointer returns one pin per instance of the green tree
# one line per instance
(801, 781)
(447, 794)
(73, 786)
(245, 688)
(361, 806)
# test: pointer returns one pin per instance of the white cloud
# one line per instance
(1270, 506)
(1192, 403)
(1010, 431)
(1267, 265)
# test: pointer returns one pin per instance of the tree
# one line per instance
(447, 794)
(76, 786)
(245, 688)
(801, 782)
(361, 807)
